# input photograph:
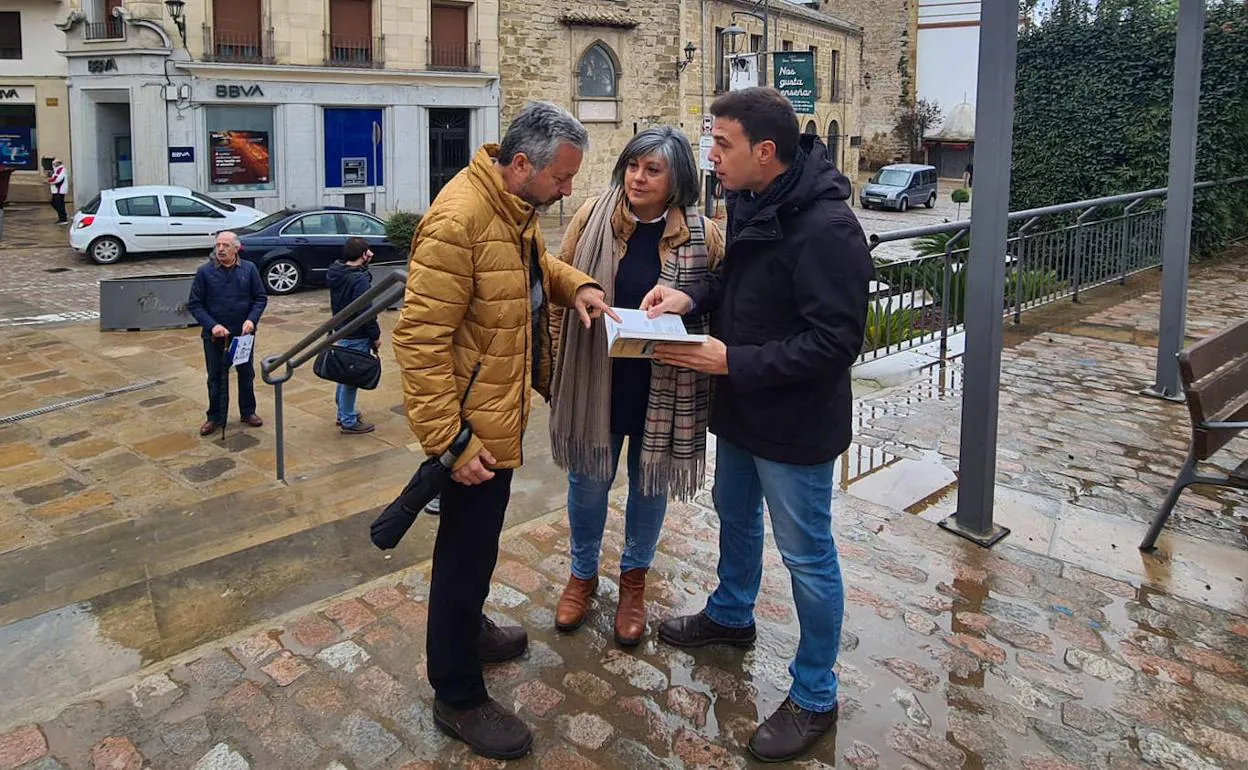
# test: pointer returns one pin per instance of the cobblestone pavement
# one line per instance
(953, 657)
(1083, 459)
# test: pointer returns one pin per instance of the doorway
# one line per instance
(115, 149)
(448, 146)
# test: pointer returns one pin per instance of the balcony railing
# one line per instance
(242, 47)
(111, 29)
(454, 56)
(343, 51)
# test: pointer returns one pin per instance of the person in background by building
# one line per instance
(641, 231)
(479, 286)
(348, 278)
(969, 175)
(789, 305)
(58, 183)
(227, 299)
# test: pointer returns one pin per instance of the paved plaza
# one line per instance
(165, 603)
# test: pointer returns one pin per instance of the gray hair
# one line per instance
(673, 147)
(234, 239)
(537, 131)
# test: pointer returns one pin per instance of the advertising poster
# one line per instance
(795, 78)
(16, 149)
(240, 157)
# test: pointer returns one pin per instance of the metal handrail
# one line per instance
(372, 303)
(1062, 208)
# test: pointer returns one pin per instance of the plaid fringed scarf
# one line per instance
(673, 453)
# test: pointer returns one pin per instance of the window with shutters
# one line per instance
(449, 46)
(10, 35)
(350, 33)
(236, 33)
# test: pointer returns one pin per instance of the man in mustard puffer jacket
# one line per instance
(479, 284)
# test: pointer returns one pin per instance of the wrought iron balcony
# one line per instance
(240, 47)
(344, 51)
(112, 28)
(454, 56)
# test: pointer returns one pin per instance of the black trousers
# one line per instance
(464, 556)
(219, 382)
(58, 203)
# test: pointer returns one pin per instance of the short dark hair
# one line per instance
(354, 249)
(764, 114)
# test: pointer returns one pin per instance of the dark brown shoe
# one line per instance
(574, 603)
(496, 643)
(630, 615)
(359, 427)
(208, 428)
(253, 420)
(489, 729)
(790, 732)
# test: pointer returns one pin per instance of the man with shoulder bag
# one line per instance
(348, 279)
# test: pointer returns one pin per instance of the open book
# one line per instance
(636, 335)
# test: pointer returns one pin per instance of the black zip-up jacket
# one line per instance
(789, 301)
(346, 285)
(227, 296)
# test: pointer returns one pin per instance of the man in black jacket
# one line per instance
(789, 303)
(348, 279)
(227, 299)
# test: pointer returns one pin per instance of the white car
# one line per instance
(152, 218)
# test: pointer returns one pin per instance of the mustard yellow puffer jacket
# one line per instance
(467, 304)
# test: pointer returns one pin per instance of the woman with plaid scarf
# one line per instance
(644, 230)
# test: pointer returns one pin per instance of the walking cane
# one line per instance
(225, 384)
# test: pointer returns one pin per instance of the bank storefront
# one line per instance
(33, 131)
(276, 136)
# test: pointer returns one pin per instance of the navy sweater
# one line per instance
(636, 275)
(227, 296)
(346, 285)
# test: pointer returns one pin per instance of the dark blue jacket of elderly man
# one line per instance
(229, 297)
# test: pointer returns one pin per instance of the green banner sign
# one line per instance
(794, 76)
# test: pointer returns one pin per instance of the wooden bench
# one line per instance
(1215, 379)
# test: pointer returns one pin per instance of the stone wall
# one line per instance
(541, 45)
(890, 57)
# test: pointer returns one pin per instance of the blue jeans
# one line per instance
(800, 500)
(345, 397)
(587, 515)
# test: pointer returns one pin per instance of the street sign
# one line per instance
(704, 152)
(795, 78)
(707, 122)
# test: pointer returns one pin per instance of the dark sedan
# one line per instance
(295, 247)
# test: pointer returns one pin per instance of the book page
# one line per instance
(635, 323)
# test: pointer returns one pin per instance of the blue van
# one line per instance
(899, 187)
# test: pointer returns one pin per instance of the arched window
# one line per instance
(597, 78)
(834, 143)
(595, 75)
(811, 127)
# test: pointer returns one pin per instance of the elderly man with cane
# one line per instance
(227, 299)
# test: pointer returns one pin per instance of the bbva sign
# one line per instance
(236, 92)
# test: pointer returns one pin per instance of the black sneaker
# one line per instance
(489, 729)
(699, 631)
(790, 732)
(496, 644)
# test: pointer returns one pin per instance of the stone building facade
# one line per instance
(622, 65)
(612, 64)
(889, 69)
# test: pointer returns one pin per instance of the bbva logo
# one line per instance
(234, 92)
(179, 154)
(8, 93)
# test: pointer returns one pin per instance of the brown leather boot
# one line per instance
(574, 603)
(630, 615)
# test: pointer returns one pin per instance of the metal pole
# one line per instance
(766, 63)
(281, 434)
(376, 131)
(985, 292)
(1178, 235)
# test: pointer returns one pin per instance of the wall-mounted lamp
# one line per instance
(175, 8)
(690, 50)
